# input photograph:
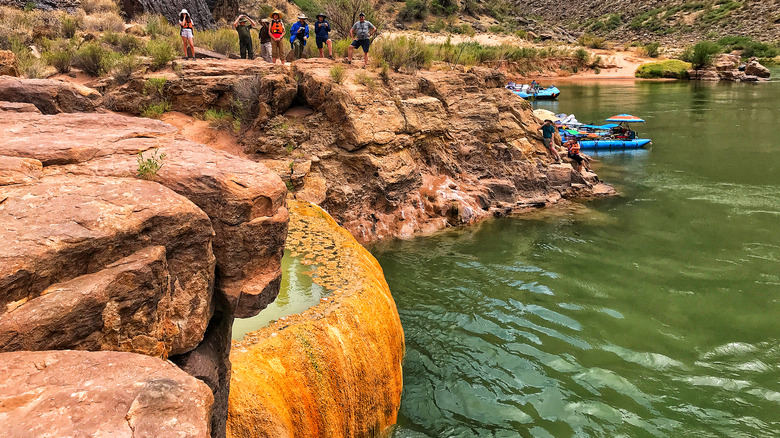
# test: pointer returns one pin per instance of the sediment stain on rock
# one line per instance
(334, 370)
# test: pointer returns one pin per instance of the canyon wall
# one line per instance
(334, 370)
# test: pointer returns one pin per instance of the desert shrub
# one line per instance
(413, 10)
(749, 47)
(124, 68)
(437, 26)
(148, 167)
(123, 42)
(582, 56)
(94, 59)
(97, 6)
(592, 41)
(104, 21)
(156, 25)
(651, 49)
(721, 9)
(155, 86)
(364, 79)
(61, 58)
(384, 73)
(342, 14)
(463, 29)
(29, 66)
(70, 26)
(444, 7)
(155, 110)
(30, 6)
(404, 52)
(337, 73)
(672, 68)
(703, 53)
(221, 119)
(222, 41)
(161, 51)
(341, 46)
(246, 95)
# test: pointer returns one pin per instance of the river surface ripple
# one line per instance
(651, 314)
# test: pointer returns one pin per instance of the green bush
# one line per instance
(94, 59)
(224, 41)
(61, 59)
(414, 10)
(592, 41)
(364, 79)
(221, 119)
(123, 42)
(404, 52)
(651, 49)
(156, 110)
(437, 26)
(148, 167)
(444, 7)
(69, 27)
(749, 47)
(157, 26)
(124, 68)
(155, 86)
(337, 73)
(703, 53)
(672, 68)
(161, 51)
(582, 56)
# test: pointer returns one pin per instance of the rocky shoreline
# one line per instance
(97, 259)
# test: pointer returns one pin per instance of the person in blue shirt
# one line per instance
(321, 32)
(299, 33)
(548, 138)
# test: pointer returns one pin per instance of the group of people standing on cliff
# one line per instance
(272, 30)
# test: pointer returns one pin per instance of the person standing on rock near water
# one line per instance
(299, 33)
(361, 34)
(244, 25)
(321, 32)
(548, 134)
(186, 33)
(277, 33)
(265, 41)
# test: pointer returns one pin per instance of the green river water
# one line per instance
(655, 313)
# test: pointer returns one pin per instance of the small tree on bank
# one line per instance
(342, 14)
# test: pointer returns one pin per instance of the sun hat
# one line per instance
(277, 13)
(361, 15)
(321, 14)
(184, 11)
(302, 17)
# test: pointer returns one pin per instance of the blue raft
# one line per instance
(615, 144)
(534, 92)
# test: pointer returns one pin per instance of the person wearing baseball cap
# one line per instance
(244, 25)
(361, 33)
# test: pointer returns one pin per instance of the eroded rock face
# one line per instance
(50, 96)
(79, 393)
(414, 154)
(65, 242)
(8, 64)
(334, 370)
(244, 199)
(198, 9)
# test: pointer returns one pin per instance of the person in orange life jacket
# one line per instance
(573, 152)
(243, 25)
(548, 138)
(185, 21)
(299, 33)
(276, 29)
(321, 31)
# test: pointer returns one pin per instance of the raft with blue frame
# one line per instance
(534, 93)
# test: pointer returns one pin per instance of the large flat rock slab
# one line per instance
(65, 227)
(110, 394)
(50, 96)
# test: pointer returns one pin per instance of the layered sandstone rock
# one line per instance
(334, 370)
(754, 68)
(8, 63)
(78, 393)
(415, 154)
(50, 96)
(95, 258)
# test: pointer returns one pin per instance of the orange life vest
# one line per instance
(187, 24)
(277, 28)
(574, 147)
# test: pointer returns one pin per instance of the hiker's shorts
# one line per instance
(321, 41)
(186, 33)
(277, 47)
(547, 142)
(361, 43)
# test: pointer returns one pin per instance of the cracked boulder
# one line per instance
(79, 393)
(50, 96)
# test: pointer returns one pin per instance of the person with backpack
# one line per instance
(244, 25)
(299, 33)
(187, 26)
(322, 35)
(361, 34)
(265, 40)
(276, 29)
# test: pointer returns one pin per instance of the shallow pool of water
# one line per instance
(650, 314)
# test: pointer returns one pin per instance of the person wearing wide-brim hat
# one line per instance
(299, 33)
(187, 26)
(276, 29)
(322, 34)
